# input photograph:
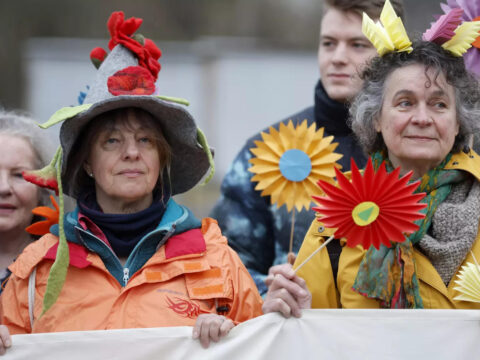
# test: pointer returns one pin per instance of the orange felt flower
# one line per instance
(51, 218)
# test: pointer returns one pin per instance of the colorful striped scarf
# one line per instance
(389, 274)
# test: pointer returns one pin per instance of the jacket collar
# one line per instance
(469, 162)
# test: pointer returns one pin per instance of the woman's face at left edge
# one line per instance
(124, 161)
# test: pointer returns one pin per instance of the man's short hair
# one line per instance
(372, 8)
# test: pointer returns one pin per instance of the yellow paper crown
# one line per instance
(390, 34)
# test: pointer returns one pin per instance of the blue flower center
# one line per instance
(295, 165)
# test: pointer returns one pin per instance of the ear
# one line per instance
(457, 128)
(87, 167)
(376, 124)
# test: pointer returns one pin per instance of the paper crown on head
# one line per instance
(125, 78)
(449, 31)
(456, 11)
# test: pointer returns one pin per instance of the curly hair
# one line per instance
(367, 106)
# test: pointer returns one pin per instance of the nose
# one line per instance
(5, 186)
(422, 117)
(131, 150)
(339, 55)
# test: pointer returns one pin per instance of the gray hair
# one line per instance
(20, 125)
(367, 106)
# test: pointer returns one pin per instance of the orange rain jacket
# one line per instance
(195, 272)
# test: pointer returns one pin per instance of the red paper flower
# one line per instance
(121, 32)
(51, 218)
(97, 55)
(373, 209)
(133, 80)
(46, 177)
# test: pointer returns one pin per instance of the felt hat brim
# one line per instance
(189, 161)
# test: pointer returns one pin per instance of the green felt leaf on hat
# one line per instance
(202, 139)
(58, 271)
(174, 99)
(64, 114)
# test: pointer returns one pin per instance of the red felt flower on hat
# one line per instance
(373, 209)
(97, 55)
(133, 80)
(51, 218)
(121, 32)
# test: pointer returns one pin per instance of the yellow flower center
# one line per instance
(365, 213)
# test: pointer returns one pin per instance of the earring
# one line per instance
(91, 175)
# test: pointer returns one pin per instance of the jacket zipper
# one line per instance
(126, 276)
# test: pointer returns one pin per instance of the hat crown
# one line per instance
(119, 58)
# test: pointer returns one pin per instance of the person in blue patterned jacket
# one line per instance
(257, 230)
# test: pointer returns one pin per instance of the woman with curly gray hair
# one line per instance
(22, 147)
(418, 111)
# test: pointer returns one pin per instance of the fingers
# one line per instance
(284, 269)
(5, 339)
(283, 302)
(287, 293)
(211, 327)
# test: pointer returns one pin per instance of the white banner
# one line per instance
(319, 334)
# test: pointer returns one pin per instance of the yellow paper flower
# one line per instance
(468, 283)
(465, 35)
(289, 162)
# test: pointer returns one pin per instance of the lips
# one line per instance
(7, 206)
(7, 209)
(131, 172)
(420, 138)
(339, 76)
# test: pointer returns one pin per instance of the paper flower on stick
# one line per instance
(373, 209)
(289, 162)
(390, 34)
(468, 283)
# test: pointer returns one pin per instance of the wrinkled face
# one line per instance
(17, 196)
(342, 54)
(418, 119)
(124, 162)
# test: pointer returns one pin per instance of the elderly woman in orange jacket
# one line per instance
(136, 257)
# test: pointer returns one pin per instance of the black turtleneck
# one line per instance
(330, 114)
(333, 116)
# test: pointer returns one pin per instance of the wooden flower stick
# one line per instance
(312, 254)
(291, 256)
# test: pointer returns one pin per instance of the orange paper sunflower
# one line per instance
(373, 209)
(289, 162)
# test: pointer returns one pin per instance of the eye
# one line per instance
(327, 43)
(112, 140)
(17, 175)
(145, 140)
(404, 103)
(360, 45)
(440, 105)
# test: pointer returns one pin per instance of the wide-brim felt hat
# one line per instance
(189, 161)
